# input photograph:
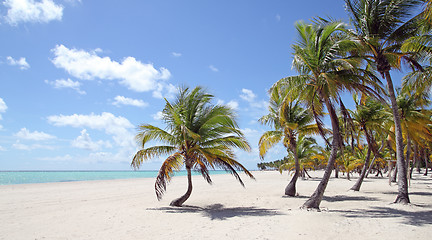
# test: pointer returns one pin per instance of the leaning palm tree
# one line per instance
(288, 119)
(324, 72)
(369, 118)
(198, 135)
(381, 26)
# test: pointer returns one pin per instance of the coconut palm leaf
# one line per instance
(171, 164)
(199, 135)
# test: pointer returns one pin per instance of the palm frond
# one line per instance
(151, 152)
(171, 164)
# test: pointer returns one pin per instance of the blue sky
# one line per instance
(77, 77)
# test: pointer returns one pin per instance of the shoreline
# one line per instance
(36, 177)
(128, 209)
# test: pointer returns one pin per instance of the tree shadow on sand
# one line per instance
(340, 198)
(411, 193)
(418, 218)
(219, 212)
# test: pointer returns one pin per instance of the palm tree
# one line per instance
(323, 73)
(415, 119)
(352, 160)
(288, 119)
(381, 27)
(369, 117)
(308, 155)
(198, 135)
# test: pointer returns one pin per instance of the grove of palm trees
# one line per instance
(388, 129)
(389, 122)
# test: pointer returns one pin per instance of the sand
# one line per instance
(128, 209)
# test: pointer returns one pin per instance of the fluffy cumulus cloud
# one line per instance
(120, 100)
(247, 95)
(21, 63)
(25, 134)
(20, 11)
(85, 142)
(135, 75)
(117, 127)
(68, 83)
(157, 116)
(232, 104)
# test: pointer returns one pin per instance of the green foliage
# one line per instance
(198, 134)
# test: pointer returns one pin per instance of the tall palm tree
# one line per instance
(381, 26)
(198, 135)
(323, 73)
(288, 119)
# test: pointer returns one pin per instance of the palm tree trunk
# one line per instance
(290, 190)
(359, 181)
(375, 157)
(426, 161)
(415, 162)
(394, 174)
(336, 171)
(316, 198)
(179, 201)
(402, 196)
(305, 172)
(408, 152)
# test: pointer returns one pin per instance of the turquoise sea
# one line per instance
(25, 177)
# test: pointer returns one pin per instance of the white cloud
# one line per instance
(213, 68)
(3, 107)
(62, 83)
(176, 54)
(22, 63)
(120, 100)
(233, 104)
(169, 91)
(85, 142)
(278, 17)
(117, 127)
(32, 11)
(247, 95)
(2, 148)
(35, 136)
(64, 158)
(135, 75)
(19, 146)
(157, 116)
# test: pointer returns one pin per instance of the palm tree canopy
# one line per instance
(287, 118)
(381, 27)
(324, 69)
(198, 134)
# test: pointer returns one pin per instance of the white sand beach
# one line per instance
(128, 209)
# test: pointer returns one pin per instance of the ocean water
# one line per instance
(25, 177)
